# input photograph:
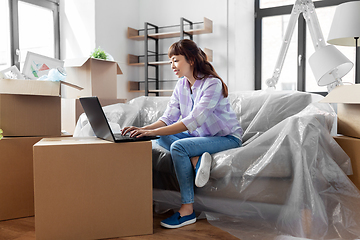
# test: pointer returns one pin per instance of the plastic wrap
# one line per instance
(288, 181)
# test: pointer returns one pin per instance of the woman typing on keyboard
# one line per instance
(208, 124)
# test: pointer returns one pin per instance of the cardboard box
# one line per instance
(71, 110)
(30, 115)
(352, 148)
(88, 188)
(347, 98)
(16, 177)
(97, 77)
(29, 87)
(30, 108)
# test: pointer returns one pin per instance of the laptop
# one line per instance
(100, 124)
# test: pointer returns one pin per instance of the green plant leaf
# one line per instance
(99, 53)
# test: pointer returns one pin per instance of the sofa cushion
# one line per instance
(258, 111)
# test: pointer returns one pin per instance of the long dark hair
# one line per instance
(197, 57)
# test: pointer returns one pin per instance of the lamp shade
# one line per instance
(345, 25)
(328, 64)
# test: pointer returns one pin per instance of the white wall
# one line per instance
(77, 28)
(89, 24)
(77, 39)
(112, 20)
(241, 45)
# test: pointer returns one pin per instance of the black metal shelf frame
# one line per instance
(155, 53)
(146, 61)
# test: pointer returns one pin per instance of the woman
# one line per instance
(208, 124)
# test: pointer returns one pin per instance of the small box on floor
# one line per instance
(16, 177)
(88, 188)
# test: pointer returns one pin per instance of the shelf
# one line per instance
(207, 28)
(142, 60)
(133, 60)
(135, 86)
(161, 90)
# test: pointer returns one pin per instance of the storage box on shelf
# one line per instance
(348, 124)
(85, 188)
(133, 60)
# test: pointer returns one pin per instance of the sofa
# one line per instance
(289, 179)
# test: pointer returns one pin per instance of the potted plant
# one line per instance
(101, 54)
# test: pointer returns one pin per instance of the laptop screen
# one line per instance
(97, 118)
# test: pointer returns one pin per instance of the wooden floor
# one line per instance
(24, 229)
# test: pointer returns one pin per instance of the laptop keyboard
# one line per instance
(118, 136)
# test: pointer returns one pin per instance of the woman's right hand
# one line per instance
(126, 130)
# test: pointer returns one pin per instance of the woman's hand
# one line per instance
(127, 130)
(137, 132)
(158, 128)
(140, 132)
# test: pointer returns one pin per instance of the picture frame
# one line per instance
(11, 73)
(37, 65)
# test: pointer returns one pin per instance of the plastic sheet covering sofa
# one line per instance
(288, 180)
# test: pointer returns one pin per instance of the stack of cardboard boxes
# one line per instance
(33, 109)
(29, 111)
(348, 123)
(77, 188)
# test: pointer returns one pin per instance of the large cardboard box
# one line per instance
(30, 108)
(88, 188)
(347, 98)
(352, 148)
(97, 77)
(16, 177)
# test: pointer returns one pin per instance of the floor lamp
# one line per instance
(328, 63)
(345, 30)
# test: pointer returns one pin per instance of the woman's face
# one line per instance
(181, 67)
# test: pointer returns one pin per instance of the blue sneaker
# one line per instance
(176, 221)
(202, 169)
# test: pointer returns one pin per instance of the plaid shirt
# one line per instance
(206, 113)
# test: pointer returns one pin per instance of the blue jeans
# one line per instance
(183, 146)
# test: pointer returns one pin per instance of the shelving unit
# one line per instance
(134, 33)
(134, 60)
